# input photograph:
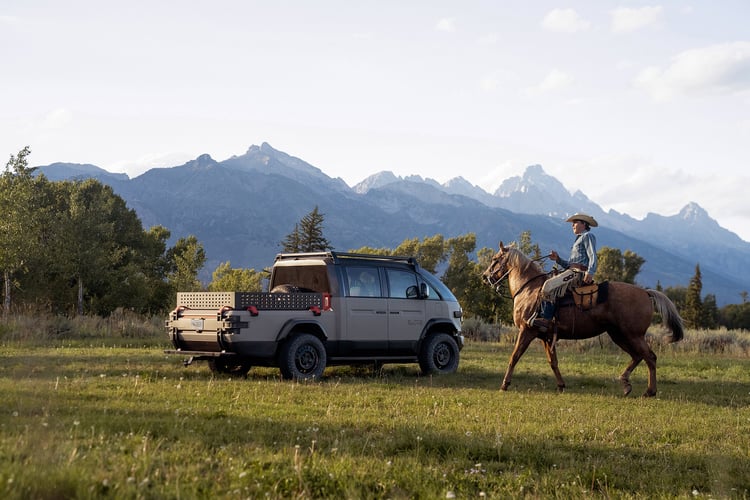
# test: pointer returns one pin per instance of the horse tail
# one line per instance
(670, 317)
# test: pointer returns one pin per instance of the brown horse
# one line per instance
(625, 316)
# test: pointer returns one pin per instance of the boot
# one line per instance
(542, 319)
(541, 324)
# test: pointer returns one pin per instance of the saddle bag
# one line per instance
(585, 297)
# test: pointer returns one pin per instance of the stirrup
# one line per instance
(531, 319)
(541, 324)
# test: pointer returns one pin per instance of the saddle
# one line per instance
(587, 296)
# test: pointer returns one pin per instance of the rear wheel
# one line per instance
(303, 357)
(439, 354)
(237, 368)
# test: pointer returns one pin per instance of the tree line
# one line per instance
(74, 247)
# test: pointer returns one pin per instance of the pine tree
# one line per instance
(529, 248)
(693, 311)
(292, 242)
(307, 235)
(710, 312)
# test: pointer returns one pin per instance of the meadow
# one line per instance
(102, 412)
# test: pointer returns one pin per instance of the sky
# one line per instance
(644, 106)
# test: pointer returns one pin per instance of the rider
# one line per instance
(580, 268)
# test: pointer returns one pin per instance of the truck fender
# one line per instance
(312, 327)
(444, 325)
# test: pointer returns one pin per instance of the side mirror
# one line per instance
(425, 291)
(412, 292)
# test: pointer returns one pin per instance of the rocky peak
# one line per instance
(375, 181)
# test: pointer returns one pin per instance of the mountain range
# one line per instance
(241, 208)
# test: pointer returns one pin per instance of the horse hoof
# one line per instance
(560, 389)
(626, 387)
(504, 387)
(649, 394)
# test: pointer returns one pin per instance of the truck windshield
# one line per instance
(438, 285)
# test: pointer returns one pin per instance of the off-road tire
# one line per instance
(439, 355)
(302, 357)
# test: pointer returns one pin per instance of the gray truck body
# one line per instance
(324, 309)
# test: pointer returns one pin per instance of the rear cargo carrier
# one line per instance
(262, 301)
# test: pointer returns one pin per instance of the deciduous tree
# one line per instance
(186, 258)
(20, 194)
(228, 279)
(617, 266)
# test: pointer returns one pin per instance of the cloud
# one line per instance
(148, 161)
(716, 69)
(497, 79)
(489, 39)
(56, 119)
(564, 21)
(9, 20)
(626, 20)
(446, 24)
(555, 80)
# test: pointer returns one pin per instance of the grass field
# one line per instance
(115, 417)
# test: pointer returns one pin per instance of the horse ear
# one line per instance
(500, 246)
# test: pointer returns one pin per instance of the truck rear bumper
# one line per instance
(230, 345)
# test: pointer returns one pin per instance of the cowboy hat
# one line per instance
(585, 218)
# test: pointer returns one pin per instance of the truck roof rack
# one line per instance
(337, 257)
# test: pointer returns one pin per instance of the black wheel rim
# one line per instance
(306, 358)
(443, 355)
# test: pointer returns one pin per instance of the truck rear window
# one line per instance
(313, 278)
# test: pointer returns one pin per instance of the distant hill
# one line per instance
(243, 207)
(73, 171)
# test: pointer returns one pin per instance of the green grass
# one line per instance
(83, 418)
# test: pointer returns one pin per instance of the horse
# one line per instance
(624, 316)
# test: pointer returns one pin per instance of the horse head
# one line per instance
(498, 268)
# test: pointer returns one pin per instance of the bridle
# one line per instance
(496, 284)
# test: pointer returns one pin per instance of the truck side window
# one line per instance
(363, 281)
(402, 284)
(431, 292)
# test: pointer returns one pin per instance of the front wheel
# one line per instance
(303, 357)
(439, 355)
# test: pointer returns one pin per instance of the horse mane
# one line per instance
(522, 262)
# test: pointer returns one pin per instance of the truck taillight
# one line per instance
(326, 301)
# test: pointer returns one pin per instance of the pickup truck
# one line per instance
(323, 309)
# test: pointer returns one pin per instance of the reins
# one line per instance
(521, 288)
(496, 283)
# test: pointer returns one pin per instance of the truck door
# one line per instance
(406, 311)
(366, 331)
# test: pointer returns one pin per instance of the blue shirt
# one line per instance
(583, 253)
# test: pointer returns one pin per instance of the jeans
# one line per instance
(547, 309)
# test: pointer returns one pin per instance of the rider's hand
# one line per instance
(587, 278)
(553, 255)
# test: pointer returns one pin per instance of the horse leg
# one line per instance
(639, 351)
(649, 357)
(635, 359)
(551, 349)
(525, 336)
(625, 376)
